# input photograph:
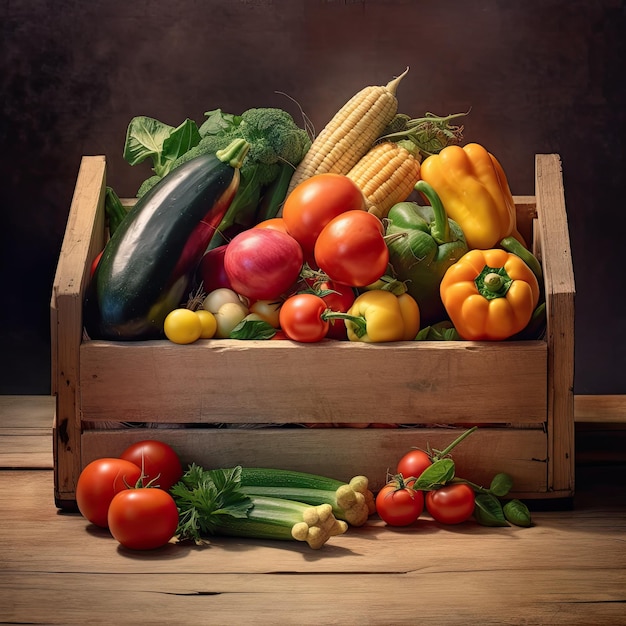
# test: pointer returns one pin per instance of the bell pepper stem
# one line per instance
(493, 282)
(510, 244)
(440, 228)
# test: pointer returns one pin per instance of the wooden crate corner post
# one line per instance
(83, 239)
(554, 247)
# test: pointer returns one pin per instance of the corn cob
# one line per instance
(350, 133)
(386, 175)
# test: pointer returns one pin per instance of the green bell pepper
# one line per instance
(432, 243)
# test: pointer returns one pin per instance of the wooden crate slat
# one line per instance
(344, 452)
(261, 381)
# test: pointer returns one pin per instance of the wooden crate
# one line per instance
(227, 402)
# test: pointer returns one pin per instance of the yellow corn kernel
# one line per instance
(386, 175)
(350, 133)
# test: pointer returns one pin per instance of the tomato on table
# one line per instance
(451, 504)
(413, 463)
(143, 519)
(160, 463)
(398, 504)
(99, 482)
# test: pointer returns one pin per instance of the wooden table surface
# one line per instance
(569, 568)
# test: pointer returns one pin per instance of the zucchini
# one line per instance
(352, 502)
(148, 265)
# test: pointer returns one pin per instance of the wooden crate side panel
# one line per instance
(84, 237)
(556, 256)
(280, 382)
(344, 452)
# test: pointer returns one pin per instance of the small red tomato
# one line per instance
(413, 463)
(315, 202)
(99, 482)
(452, 504)
(398, 504)
(143, 519)
(351, 249)
(159, 461)
(301, 318)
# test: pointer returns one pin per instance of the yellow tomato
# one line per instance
(209, 323)
(182, 326)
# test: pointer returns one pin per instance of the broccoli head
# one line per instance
(273, 136)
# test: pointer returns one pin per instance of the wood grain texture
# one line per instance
(560, 291)
(566, 569)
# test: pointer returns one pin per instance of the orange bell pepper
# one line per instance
(489, 294)
(475, 193)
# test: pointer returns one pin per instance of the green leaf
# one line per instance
(252, 329)
(442, 331)
(179, 141)
(437, 475)
(488, 511)
(218, 123)
(150, 138)
(203, 496)
(517, 513)
(144, 139)
(501, 485)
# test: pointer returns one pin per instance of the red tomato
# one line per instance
(316, 201)
(277, 223)
(262, 263)
(211, 270)
(98, 483)
(413, 463)
(351, 249)
(397, 504)
(339, 301)
(159, 462)
(301, 318)
(143, 519)
(451, 504)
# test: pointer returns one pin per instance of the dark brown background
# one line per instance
(539, 76)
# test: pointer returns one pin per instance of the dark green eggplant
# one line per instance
(148, 265)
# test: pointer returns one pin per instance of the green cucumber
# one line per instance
(352, 502)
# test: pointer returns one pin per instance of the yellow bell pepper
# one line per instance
(475, 193)
(378, 316)
(489, 294)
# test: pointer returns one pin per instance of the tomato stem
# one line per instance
(359, 322)
(439, 454)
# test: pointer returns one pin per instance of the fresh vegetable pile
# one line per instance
(146, 500)
(381, 228)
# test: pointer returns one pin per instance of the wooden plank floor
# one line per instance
(569, 568)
